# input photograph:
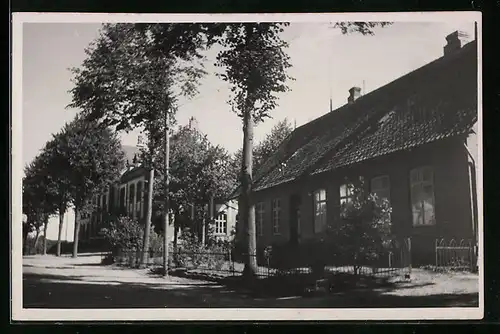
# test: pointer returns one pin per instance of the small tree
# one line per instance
(364, 229)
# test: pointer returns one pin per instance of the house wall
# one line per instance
(451, 190)
(89, 229)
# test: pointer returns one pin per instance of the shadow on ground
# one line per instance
(57, 291)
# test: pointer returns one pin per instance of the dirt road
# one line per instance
(51, 282)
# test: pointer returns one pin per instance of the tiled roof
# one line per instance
(434, 102)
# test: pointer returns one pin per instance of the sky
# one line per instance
(325, 64)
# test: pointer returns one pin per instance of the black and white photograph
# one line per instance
(247, 166)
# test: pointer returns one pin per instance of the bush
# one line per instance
(125, 234)
(191, 253)
(363, 232)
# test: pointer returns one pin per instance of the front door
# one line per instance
(295, 203)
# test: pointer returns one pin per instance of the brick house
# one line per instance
(414, 142)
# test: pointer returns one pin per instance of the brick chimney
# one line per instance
(354, 94)
(193, 124)
(455, 41)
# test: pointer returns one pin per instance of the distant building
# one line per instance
(129, 196)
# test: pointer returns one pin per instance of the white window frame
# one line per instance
(221, 223)
(382, 189)
(276, 215)
(122, 206)
(131, 200)
(259, 218)
(138, 199)
(418, 180)
(320, 221)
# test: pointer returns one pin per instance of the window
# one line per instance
(122, 199)
(138, 200)
(100, 206)
(346, 193)
(259, 218)
(221, 223)
(131, 199)
(105, 203)
(276, 210)
(422, 196)
(380, 186)
(319, 210)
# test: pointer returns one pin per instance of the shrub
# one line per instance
(363, 233)
(125, 234)
(191, 253)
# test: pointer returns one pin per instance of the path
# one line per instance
(51, 282)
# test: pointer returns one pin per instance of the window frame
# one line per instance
(276, 215)
(320, 201)
(349, 195)
(260, 211)
(388, 187)
(421, 183)
(131, 200)
(139, 189)
(221, 224)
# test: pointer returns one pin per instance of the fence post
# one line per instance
(436, 251)
(409, 253)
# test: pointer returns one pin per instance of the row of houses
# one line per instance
(414, 141)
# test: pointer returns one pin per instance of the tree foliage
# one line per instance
(126, 234)
(265, 149)
(94, 159)
(131, 80)
(364, 28)
(199, 171)
(255, 65)
(39, 196)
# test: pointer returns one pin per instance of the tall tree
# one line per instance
(60, 186)
(38, 202)
(95, 159)
(129, 81)
(255, 66)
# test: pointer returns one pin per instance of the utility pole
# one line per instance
(167, 206)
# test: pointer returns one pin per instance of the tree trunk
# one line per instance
(76, 234)
(149, 215)
(59, 232)
(248, 214)
(166, 206)
(175, 242)
(26, 232)
(45, 226)
(36, 240)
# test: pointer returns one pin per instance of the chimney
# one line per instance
(354, 94)
(193, 124)
(455, 41)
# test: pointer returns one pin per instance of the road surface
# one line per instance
(51, 282)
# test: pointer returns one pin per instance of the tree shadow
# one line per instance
(53, 291)
(56, 291)
(91, 264)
